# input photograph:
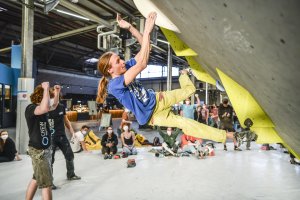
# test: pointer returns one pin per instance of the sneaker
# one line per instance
(53, 187)
(201, 155)
(238, 138)
(237, 149)
(189, 70)
(225, 148)
(185, 154)
(124, 155)
(73, 178)
(105, 156)
(110, 156)
(248, 148)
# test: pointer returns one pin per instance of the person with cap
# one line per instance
(226, 121)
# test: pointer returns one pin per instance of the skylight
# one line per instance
(92, 60)
(2, 9)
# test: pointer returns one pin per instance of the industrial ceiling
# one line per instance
(72, 53)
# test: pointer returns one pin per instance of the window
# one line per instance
(175, 71)
(1, 91)
(1, 114)
(1, 98)
(7, 98)
(153, 71)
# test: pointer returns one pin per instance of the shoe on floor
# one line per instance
(237, 149)
(110, 156)
(239, 138)
(225, 148)
(53, 187)
(73, 178)
(176, 155)
(105, 156)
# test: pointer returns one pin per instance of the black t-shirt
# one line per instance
(105, 139)
(222, 110)
(56, 121)
(38, 128)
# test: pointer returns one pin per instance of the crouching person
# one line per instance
(246, 135)
(109, 143)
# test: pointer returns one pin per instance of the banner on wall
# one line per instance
(16, 55)
(105, 120)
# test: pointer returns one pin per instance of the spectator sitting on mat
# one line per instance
(109, 143)
(8, 150)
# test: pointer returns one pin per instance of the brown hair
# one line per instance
(37, 95)
(103, 66)
(1, 141)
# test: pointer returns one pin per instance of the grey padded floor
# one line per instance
(251, 174)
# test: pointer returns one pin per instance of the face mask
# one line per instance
(4, 137)
(109, 131)
(125, 128)
(187, 102)
(83, 132)
(51, 102)
(169, 132)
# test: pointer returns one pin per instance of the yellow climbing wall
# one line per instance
(243, 102)
(246, 106)
(181, 49)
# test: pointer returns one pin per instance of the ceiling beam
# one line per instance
(58, 36)
(85, 13)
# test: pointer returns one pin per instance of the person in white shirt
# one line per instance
(80, 136)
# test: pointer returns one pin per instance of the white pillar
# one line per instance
(25, 83)
(25, 89)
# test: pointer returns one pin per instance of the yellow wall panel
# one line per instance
(179, 47)
(199, 72)
(244, 103)
(267, 135)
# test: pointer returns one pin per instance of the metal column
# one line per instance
(127, 53)
(193, 96)
(25, 83)
(206, 93)
(170, 64)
